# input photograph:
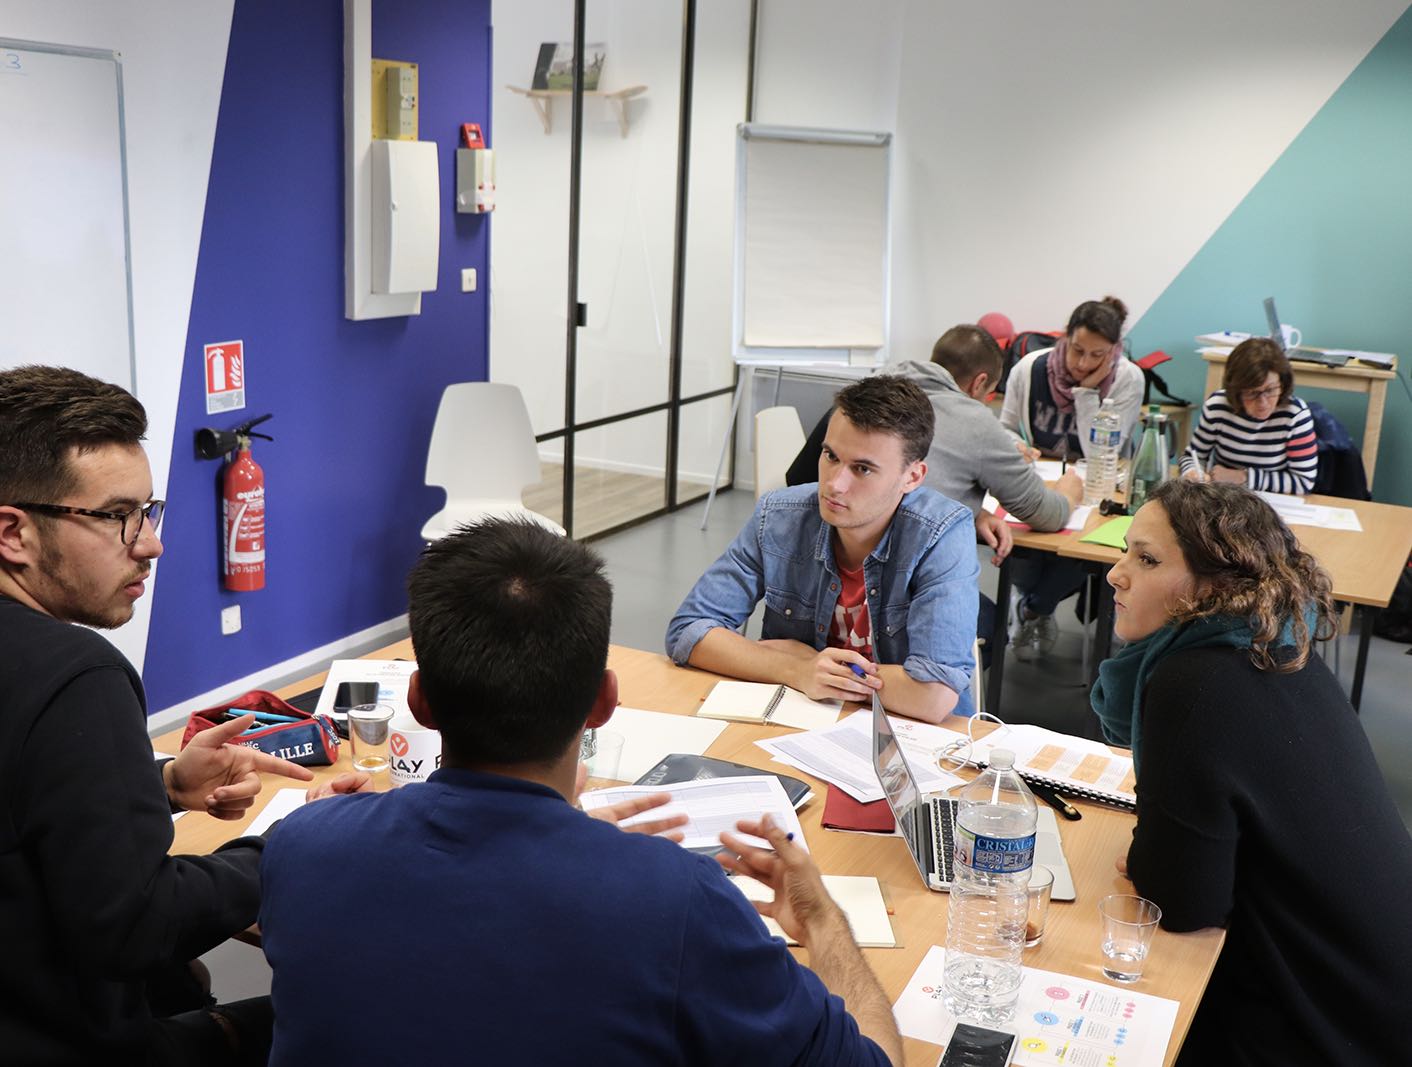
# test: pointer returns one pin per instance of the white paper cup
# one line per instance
(414, 751)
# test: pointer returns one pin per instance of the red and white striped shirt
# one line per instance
(1280, 454)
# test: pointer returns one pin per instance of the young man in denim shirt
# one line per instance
(868, 577)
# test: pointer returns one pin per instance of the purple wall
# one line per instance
(353, 401)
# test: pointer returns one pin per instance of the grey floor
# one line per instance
(654, 565)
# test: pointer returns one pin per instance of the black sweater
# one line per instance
(89, 899)
(1261, 809)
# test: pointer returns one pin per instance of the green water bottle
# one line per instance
(1150, 466)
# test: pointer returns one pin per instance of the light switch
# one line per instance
(468, 279)
(230, 620)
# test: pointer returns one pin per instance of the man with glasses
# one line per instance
(96, 915)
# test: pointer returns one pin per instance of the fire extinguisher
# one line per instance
(242, 505)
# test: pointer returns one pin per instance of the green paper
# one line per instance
(1113, 533)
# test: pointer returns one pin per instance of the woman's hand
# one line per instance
(1096, 376)
(1232, 475)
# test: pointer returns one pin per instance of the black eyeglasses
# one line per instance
(150, 511)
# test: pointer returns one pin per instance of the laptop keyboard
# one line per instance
(940, 812)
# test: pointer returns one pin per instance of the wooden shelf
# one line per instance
(542, 99)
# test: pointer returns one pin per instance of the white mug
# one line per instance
(1292, 335)
(413, 750)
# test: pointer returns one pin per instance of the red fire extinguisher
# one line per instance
(242, 504)
(243, 529)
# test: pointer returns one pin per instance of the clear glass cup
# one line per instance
(604, 761)
(1041, 886)
(369, 728)
(1128, 925)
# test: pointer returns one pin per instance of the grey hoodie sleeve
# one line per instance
(1020, 490)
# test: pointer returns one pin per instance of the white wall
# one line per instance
(627, 228)
(173, 55)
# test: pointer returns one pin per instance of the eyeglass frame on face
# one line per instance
(121, 517)
(1269, 392)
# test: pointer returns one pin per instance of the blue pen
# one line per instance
(263, 716)
(859, 671)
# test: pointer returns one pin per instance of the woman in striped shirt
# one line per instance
(1254, 431)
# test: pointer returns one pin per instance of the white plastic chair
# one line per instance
(483, 454)
(778, 439)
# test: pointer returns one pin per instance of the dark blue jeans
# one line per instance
(1045, 579)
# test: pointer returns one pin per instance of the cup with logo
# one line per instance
(413, 750)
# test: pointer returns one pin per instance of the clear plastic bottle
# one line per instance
(1150, 465)
(985, 933)
(1104, 437)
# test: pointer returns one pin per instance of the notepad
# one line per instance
(778, 705)
(859, 897)
(1113, 533)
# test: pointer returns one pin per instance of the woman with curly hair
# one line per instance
(1260, 807)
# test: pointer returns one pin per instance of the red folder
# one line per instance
(842, 812)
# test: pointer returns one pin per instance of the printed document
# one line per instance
(711, 806)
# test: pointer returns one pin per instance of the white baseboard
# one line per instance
(648, 470)
(281, 674)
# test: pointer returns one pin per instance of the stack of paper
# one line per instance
(711, 805)
(1296, 511)
(843, 754)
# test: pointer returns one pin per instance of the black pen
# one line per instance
(1055, 801)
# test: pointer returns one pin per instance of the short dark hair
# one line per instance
(510, 625)
(966, 351)
(1249, 364)
(48, 412)
(1104, 317)
(1251, 567)
(889, 403)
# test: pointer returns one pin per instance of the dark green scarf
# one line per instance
(1117, 695)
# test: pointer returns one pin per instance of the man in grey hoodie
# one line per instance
(971, 453)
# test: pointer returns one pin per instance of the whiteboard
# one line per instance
(65, 259)
(812, 242)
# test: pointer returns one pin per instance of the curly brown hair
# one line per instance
(1247, 564)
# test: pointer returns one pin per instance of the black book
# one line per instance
(684, 767)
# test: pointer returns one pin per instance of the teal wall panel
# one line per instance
(1327, 231)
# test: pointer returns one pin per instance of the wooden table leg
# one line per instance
(1373, 427)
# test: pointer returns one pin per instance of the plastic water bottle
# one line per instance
(989, 894)
(1150, 465)
(1104, 437)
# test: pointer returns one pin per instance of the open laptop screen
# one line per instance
(895, 777)
(1272, 317)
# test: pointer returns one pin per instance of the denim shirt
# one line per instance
(921, 581)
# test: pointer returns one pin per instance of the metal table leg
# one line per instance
(1103, 632)
(1366, 615)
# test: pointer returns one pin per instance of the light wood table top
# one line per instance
(1363, 566)
(1177, 968)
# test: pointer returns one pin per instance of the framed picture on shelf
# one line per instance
(555, 67)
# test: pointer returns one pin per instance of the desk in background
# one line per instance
(1363, 567)
(1179, 965)
(1352, 377)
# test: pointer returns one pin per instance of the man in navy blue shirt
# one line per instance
(483, 918)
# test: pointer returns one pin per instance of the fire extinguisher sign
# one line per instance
(225, 376)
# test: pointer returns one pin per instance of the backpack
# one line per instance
(1020, 346)
(1395, 621)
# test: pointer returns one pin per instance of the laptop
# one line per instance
(1298, 352)
(928, 825)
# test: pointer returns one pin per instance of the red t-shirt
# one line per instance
(852, 627)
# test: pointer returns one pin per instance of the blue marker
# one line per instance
(859, 671)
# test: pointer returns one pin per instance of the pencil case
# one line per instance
(309, 740)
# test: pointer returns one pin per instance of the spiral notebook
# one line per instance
(1074, 766)
(777, 705)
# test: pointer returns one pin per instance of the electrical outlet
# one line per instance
(468, 279)
(230, 620)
